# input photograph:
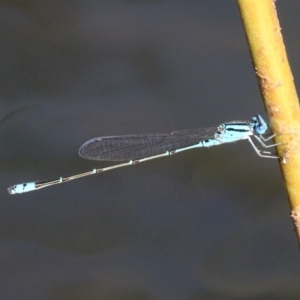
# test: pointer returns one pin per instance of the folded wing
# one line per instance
(131, 147)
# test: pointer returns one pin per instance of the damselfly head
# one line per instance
(259, 125)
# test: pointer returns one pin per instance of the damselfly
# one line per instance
(138, 148)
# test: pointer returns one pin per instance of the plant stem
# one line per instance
(278, 90)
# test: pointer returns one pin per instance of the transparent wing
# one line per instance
(131, 147)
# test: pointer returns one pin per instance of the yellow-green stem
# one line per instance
(278, 90)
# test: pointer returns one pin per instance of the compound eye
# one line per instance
(259, 125)
(260, 129)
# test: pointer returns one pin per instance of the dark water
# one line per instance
(205, 224)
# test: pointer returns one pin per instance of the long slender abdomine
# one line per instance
(143, 147)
